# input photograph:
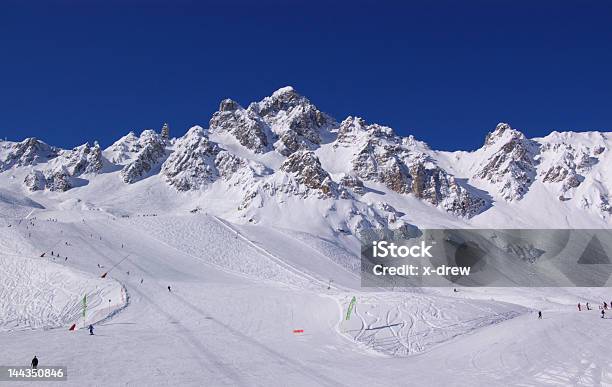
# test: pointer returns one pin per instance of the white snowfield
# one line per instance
(239, 292)
(35, 293)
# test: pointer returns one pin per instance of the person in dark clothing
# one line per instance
(540, 314)
(34, 362)
(579, 307)
(603, 313)
(91, 329)
(169, 288)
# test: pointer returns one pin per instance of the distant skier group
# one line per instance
(602, 307)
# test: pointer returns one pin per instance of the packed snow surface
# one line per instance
(239, 292)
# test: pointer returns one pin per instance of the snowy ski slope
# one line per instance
(238, 292)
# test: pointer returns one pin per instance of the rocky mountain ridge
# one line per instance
(288, 148)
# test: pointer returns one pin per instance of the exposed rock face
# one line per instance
(300, 175)
(27, 152)
(352, 183)
(364, 221)
(58, 180)
(435, 186)
(354, 129)
(286, 119)
(192, 165)
(229, 164)
(34, 181)
(511, 163)
(83, 159)
(306, 168)
(165, 132)
(151, 149)
(569, 165)
(123, 149)
(386, 158)
(245, 125)
(379, 157)
(294, 152)
(58, 174)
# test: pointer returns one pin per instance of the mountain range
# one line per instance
(284, 162)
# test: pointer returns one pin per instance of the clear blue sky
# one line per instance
(444, 71)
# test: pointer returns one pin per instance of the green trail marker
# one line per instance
(350, 308)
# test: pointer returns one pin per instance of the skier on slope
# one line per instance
(34, 362)
(540, 314)
(603, 313)
(169, 288)
(91, 329)
(579, 307)
(588, 307)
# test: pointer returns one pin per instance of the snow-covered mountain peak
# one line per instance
(149, 149)
(123, 149)
(502, 134)
(30, 151)
(283, 99)
(295, 122)
(285, 122)
(284, 90)
(228, 105)
(282, 154)
(191, 166)
(509, 162)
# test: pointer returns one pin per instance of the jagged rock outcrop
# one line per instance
(82, 159)
(397, 163)
(299, 154)
(379, 157)
(300, 175)
(568, 165)
(245, 125)
(286, 119)
(510, 164)
(165, 132)
(307, 170)
(58, 174)
(297, 122)
(30, 151)
(192, 165)
(355, 129)
(34, 181)
(435, 186)
(364, 221)
(151, 149)
(351, 183)
(58, 180)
